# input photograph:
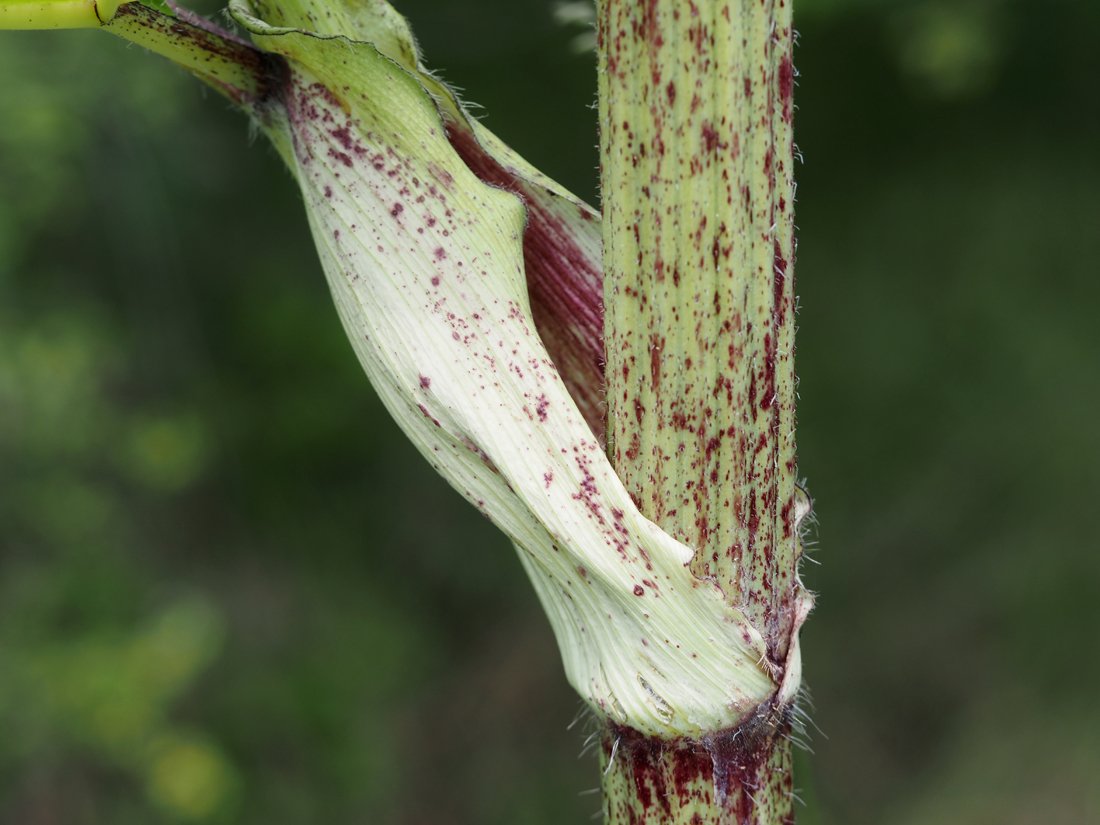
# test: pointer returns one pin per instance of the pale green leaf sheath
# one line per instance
(426, 266)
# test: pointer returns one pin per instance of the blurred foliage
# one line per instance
(229, 592)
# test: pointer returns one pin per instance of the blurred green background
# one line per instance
(231, 593)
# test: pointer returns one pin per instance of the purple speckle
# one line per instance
(428, 415)
(340, 156)
(343, 134)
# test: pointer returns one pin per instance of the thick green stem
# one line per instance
(696, 148)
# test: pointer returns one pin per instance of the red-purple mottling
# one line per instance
(722, 771)
(786, 85)
(710, 137)
(564, 283)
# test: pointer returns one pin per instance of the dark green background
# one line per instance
(230, 592)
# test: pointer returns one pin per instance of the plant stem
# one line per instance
(226, 63)
(696, 148)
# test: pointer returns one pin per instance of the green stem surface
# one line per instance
(696, 148)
